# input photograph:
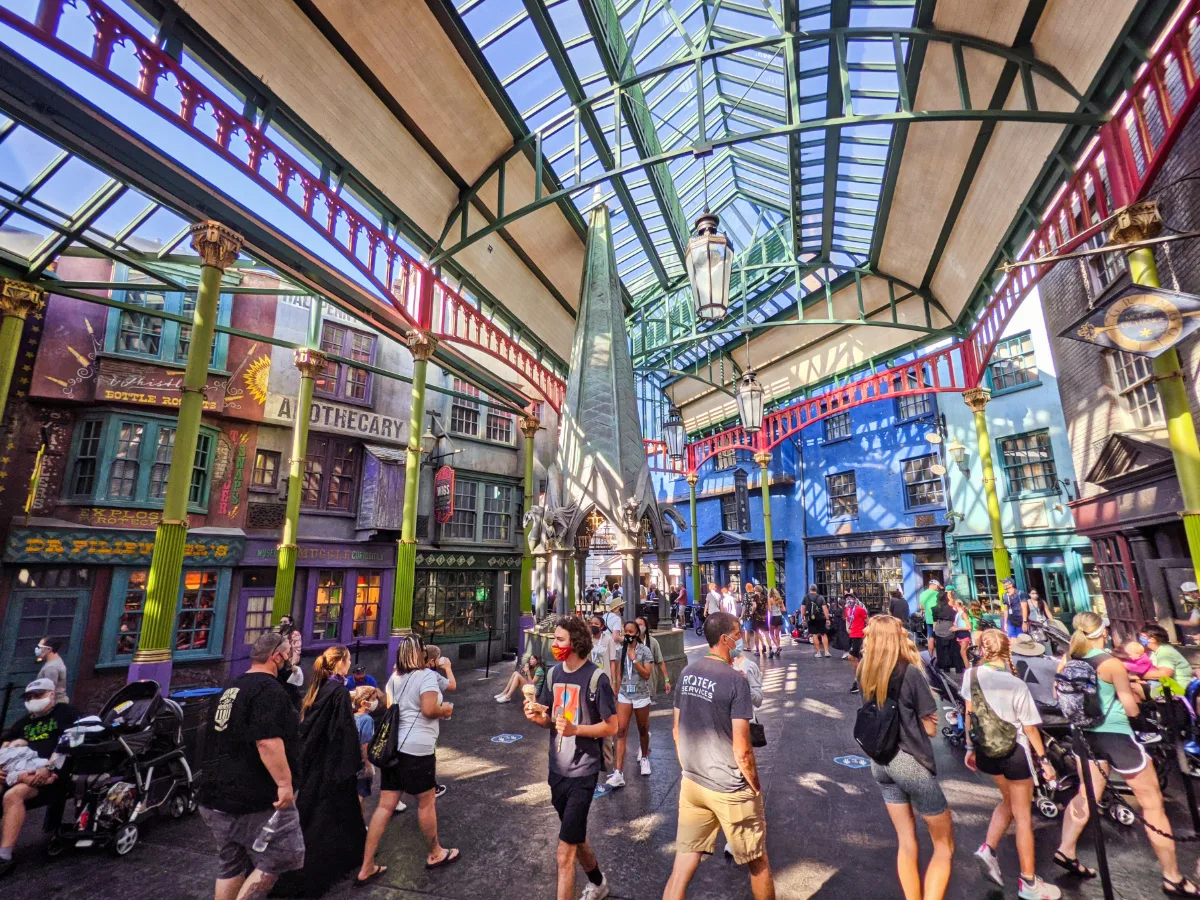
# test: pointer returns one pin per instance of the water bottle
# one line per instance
(267, 832)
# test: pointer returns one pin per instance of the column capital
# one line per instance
(976, 398)
(530, 426)
(217, 245)
(763, 458)
(421, 344)
(692, 478)
(310, 362)
(19, 298)
(1136, 222)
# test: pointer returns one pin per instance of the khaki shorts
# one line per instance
(703, 812)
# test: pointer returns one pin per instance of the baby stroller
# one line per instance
(945, 686)
(124, 763)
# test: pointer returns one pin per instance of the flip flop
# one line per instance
(1180, 888)
(379, 870)
(450, 857)
(1074, 866)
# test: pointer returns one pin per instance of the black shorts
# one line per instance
(856, 647)
(1014, 767)
(816, 626)
(413, 775)
(572, 798)
(1121, 751)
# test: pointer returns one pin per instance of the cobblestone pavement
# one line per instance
(828, 833)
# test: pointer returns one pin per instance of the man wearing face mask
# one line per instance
(254, 733)
(39, 730)
(53, 666)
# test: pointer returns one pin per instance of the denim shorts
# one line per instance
(235, 835)
(905, 782)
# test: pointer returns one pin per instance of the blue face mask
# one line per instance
(1144, 641)
(736, 650)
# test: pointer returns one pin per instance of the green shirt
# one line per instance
(1167, 657)
(928, 600)
(1115, 720)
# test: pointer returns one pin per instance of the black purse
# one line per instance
(758, 734)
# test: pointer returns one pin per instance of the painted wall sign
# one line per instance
(338, 418)
(125, 548)
(124, 518)
(1138, 319)
(377, 555)
(443, 495)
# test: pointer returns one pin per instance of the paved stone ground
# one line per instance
(828, 833)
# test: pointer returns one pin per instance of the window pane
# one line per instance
(464, 415)
(725, 459)
(499, 427)
(258, 616)
(266, 469)
(327, 610)
(837, 426)
(921, 486)
(843, 494)
(452, 603)
(196, 609)
(130, 629)
(162, 463)
(1013, 363)
(497, 512)
(122, 478)
(314, 472)
(200, 464)
(1028, 462)
(366, 605)
(83, 478)
(729, 513)
(343, 471)
(462, 524)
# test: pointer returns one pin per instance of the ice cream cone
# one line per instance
(530, 693)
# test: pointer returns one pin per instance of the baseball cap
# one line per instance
(38, 685)
(1189, 587)
(1010, 581)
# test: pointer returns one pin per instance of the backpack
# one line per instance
(381, 752)
(943, 628)
(991, 735)
(608, 746)
(877, 727)
(1078, 689)
(917, 623)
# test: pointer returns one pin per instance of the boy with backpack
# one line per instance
(578, 705)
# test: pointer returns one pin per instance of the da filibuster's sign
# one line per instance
(1143, 320)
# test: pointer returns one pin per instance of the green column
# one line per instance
(976, 399)
(218, 247)
(421, 345)
(310, 363)
(697, 597)
(529, 427)
(569, 586)
(764, 459)
(17, 300)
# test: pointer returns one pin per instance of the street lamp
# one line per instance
(709, 265)
(429, 442)
(958, 452)
(675, 434)
(750, 402)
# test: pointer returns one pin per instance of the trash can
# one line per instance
(196, 704)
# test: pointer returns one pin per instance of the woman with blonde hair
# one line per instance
(1112, 745)
(327, 793)
(891, 669)
(996, 697)
(414, 688)
(776, 616)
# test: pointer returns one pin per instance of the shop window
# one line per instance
(453, 604)
(327, 607)
(497, 513)
(265, 476)
(258, 601)
(921, 486)
(200, 614)
(1028, 463)
(344, 381)
(126, 459)
(983, 577)
(837, 426)
(462, 523)
(842, 489)
(912, 406)
(729, 513)
(1013, 364)
(143, 335)
(869, 576)
(474, 418)
(331, 473)
(484, 512)
(499, 427)
(366, 604)
(1134, 377)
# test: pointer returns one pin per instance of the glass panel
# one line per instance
(258, 616)
(343, 471)
(843, 494)
(497, 513)
(327, 609)
(122, 478)
(452, 603)
(921, 486)
(870, 577)
(266, 469)
(1028, 462)
(130, 628)
(366, 605)
(197, 608)
(462, 524)
(162, 463)
(83, 479)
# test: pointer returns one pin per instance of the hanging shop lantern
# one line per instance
(675, 434)
(750, 402)
(958, 451)
(709, 265)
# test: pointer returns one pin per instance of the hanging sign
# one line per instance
(1143, 320)
(443, 495)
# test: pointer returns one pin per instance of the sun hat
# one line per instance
(1024, 645)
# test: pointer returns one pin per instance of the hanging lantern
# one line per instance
(709, 265)
(675, 434)
(750, 402)
(958, 451)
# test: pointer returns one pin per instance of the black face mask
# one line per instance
(630, 639)
(595, 631)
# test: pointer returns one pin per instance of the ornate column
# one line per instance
(697, 597)
(309, 362)
(763, 458)
(1139, 222)
(580, 576)
(17, 300)
(421, 345)
(976, 400)
(569, 585)
(529, 428)
(631, 564)
(664, 587)
(218, 247)
(540, 610)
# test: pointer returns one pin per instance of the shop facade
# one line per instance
(874, 563)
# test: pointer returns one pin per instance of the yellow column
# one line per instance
(976, 400)
(764, 459)
(697, 597)
(17, 300)
(529, 428)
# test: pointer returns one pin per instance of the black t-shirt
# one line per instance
(254, 707)
(899, 608)
(576, 756)
(916, 702)
(42, 733)
(814, 607)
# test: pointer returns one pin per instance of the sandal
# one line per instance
(450, 857)
(1076, 868)
(1180, 888)
(379, 870)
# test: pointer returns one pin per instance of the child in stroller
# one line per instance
(125, 763)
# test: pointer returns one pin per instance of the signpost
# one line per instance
(443, 495)
(1139, 319)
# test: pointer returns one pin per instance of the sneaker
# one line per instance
(400, 807)
(827, 654)
(990, 866)
(644, 765)
(639, 753)
(845, 656)
(441, 789)
(817, 654)
(595, 891)
(6, 866)
(854, 688)
(615, 780)
(1037, 890)
(500, 698)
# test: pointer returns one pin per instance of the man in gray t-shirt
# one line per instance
(52, 667)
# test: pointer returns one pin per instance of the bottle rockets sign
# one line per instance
(443, 495)
(1143, 320)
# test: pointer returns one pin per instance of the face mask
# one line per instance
(39, 651)
(737, 648)
(1144, 641)
(37, 707)
(373, 705)
(595, 631)
(560, 653)
(630, 639)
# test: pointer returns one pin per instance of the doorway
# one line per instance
(1047, 574)
(255, 604)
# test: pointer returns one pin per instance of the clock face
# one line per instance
(1143, 323)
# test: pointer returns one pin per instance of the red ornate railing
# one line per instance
(205, 116)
